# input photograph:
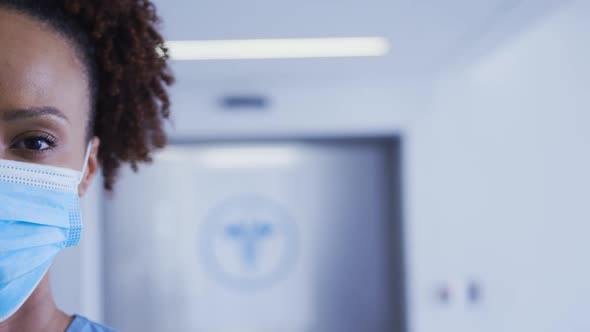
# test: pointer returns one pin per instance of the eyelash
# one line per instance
(48, 139)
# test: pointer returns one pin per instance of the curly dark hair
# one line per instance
(127, 70)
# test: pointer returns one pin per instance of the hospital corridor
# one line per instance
(330, 166)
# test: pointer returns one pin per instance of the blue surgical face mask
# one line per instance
(39, 216)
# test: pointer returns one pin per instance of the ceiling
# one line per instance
(425, 35)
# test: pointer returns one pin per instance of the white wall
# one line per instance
(498, 186)
(299, 109)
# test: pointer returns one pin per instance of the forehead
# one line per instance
(39, 67)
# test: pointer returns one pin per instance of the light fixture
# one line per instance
(277, 48)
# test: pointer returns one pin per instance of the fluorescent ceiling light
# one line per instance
(277, 48)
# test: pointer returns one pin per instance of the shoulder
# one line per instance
(82, 324)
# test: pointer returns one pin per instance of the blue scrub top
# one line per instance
(81, 324)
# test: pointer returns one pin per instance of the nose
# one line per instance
(2, 149)
(5, 153)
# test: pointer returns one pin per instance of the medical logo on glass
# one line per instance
(249, 242)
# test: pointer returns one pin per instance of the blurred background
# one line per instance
(355, 166)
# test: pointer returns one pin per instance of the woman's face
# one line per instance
(44, 97)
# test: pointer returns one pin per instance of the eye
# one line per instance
(35, 143)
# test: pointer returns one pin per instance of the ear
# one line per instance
(91, 168)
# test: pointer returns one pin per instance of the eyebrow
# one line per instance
(33, 112)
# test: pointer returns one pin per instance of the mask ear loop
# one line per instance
(85, 167)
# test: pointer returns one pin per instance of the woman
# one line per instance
(82, 86)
